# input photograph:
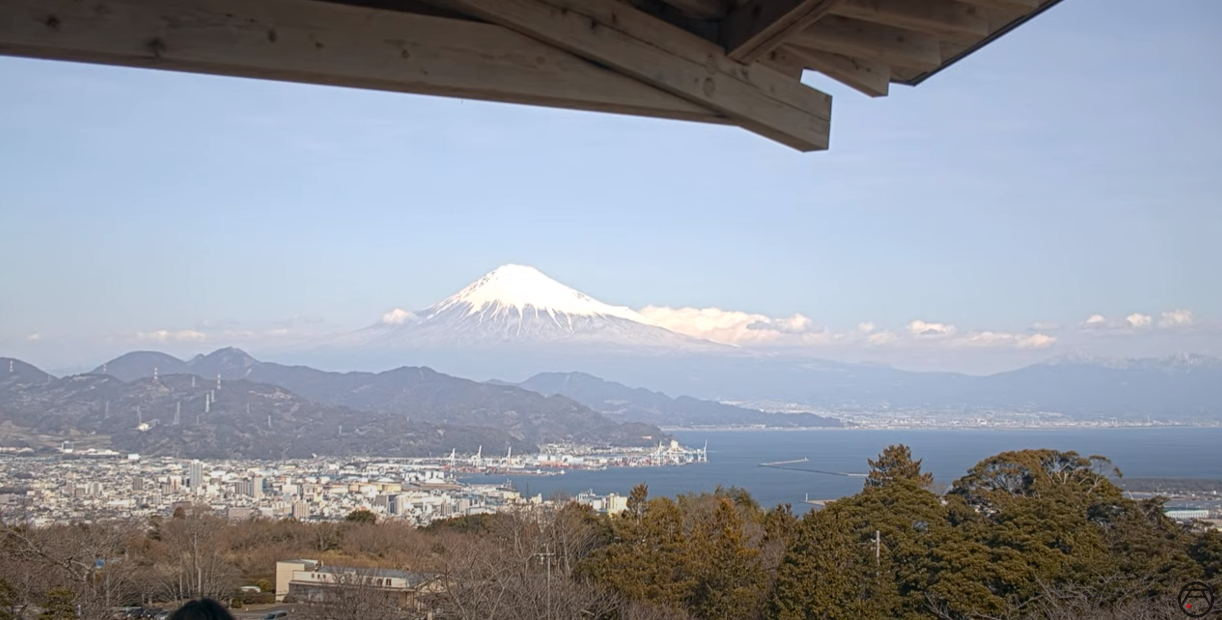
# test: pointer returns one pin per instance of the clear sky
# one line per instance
(977, 222)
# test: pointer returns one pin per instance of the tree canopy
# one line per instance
(1023, 535)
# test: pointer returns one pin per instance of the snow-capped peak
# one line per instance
(518, 287)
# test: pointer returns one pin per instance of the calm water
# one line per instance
(734, 458)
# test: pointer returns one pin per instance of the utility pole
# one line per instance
(547, 557)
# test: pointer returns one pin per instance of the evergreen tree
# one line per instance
(8, 600)
(60, 604)
(361, 516)
(650, 559)
(895, 463)
(1206, 551)
(728, 580)
(637, 500)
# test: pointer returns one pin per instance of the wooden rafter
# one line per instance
(1025, 6)
(854, 38)
(703, 9)
(760, 26)
(618, 36)
(940, 17)
(332, 44)
(869, 77)
(782, 61)
(736, 62)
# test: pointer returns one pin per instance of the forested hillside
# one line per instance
(1030, 534)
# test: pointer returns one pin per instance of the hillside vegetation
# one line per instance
(1022, 535)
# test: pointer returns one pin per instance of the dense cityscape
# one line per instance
(98, 484)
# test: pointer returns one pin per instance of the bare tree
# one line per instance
(525, 569)
(90, 560)
(356, 593)
(192, 563)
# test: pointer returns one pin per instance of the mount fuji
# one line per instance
(515, 322)
(514, 312)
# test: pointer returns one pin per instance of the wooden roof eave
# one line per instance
(718, 61)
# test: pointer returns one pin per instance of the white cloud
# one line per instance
(1095, 321)
(988, 338)
(398, 317)
(736, 327)
(748, 329)
(1036, 341)
(1176, 318)
(922, 329)
(34, 336)
(1137, 321)
(164, 335)
(1042, 326)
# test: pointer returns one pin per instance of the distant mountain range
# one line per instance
(620, 402)
(417, 392)
(515, 323)
(403, 412)
(246, 420)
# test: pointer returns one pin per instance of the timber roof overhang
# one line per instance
(735, 62)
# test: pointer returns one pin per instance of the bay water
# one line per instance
(734, 459)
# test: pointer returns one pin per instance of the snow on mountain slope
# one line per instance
(518, 305)
(520, 289)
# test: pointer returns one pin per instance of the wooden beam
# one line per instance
(760, 26)
(864, 40)
(940, 17)
(996, 20)
(869, 77)
(329, 44)
(782, 61)
(702, 9)
(1007, 5)
(616, 35)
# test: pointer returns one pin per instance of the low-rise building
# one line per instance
(305, 581)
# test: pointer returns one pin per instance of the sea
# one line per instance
(735, 457)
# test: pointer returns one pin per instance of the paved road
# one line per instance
(259, 612)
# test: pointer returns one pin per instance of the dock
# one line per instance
(786, 465)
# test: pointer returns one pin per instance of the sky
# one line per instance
(1059, 190)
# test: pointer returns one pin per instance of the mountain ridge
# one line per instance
(420, 392)
(179, 415)
(641, 405)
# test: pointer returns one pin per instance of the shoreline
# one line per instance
(743, 429)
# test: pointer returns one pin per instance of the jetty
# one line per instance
(788, 465)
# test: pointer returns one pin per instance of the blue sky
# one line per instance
(1070, 169)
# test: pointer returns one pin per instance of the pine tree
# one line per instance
(729, 579)
(650, 558)
(361, 516)
(60, 604)
(895, 463)
(8, 600)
